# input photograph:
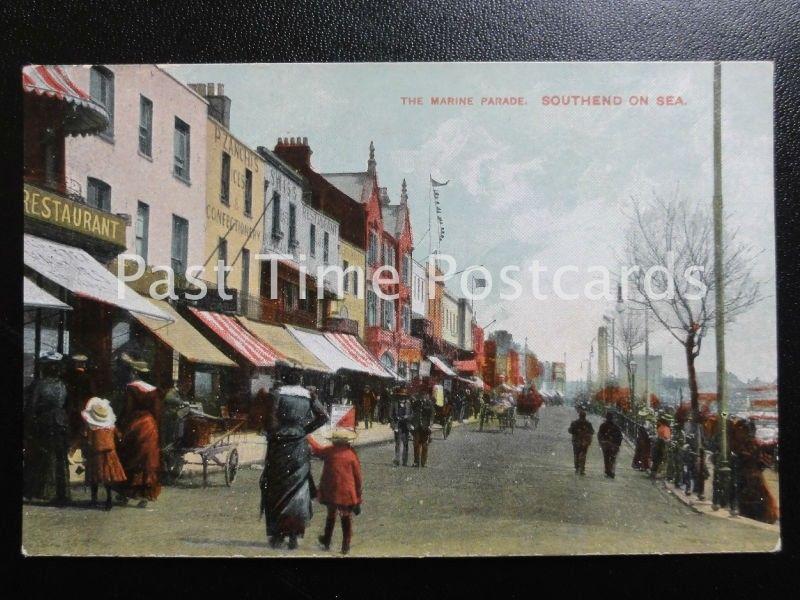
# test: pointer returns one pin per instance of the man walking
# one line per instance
(400, 420)
(368, 406)
(582, 432)
(422, 421)
(610, 438)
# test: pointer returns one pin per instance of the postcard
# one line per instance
(399, 309)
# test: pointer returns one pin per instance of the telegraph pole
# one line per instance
(722, 471)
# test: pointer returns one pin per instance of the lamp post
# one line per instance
(633, 387)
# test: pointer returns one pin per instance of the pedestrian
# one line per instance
(400, 420)
(582, 431)
(368, 406)
(103, 466)
(286, 483)
(641, 455)
(139, 449)
(339, 485)
(458, 405)
(46, 464)
(663, 436)
(609, 435)
(422, 409)
(80, 387)
(176, 403)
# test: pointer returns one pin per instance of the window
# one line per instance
(355, 281)
(372, 308)
(245, 286)
(407, 269)
(222, 255)
(373, 248)
(180, 244)
(325, 247)
(406, 319)
(142, 226)
(248, 192)
(292, 225)
(276, 215)
(181, 139)
(145, 126)
(98, 194)
(312, 239)
(346, 278)
(388, 314)
(225, 179)
(101, 89)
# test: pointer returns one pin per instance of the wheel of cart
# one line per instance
(443, 417)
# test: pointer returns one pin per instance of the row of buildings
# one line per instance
(125, 159)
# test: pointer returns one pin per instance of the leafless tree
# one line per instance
(631, 336)
(675, 237)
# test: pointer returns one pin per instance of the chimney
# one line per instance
(371, 162)
(403, 193)
(383, 194)
(219, 105)
(295, 151)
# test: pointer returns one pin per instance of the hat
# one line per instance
(50, 356)
(79, 358)
(342, 434)
(98, 413)
(142, 386)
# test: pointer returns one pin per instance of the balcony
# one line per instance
(341, 325)
(259, 308)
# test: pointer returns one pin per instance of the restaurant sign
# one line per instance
(60, 211)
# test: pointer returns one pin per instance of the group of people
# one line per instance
(62, 415)
(609, 436)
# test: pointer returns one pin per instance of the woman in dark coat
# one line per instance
(139, 449)
(641, 456)
(286, 484)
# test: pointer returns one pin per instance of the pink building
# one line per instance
(150, 163)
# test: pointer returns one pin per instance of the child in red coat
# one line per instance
(340, 485)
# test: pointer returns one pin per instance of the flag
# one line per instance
(435, 183)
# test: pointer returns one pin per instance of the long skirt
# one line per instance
(287, 486)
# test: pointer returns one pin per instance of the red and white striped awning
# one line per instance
(352, 347)
(466, 366)
(51, 81)
(237, 337)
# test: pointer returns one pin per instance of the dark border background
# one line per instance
(412, 30)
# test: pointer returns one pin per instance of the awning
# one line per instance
(350, 345)
(325, 351)
(35, 297)
(255, 351)
(466, 366)
(284, 342)
(51, 81)
(439, 364)
(183, 338)
(75, 270)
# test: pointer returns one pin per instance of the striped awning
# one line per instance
(244, 343)
(51, 81)
(285, 343)
(440, 364)
(350, 345)
(466, 366)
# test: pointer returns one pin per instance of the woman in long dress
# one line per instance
(139, 449)
(286, 483)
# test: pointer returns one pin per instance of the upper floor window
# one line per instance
(312, 239)
(388, 314)
(292, 225)
(276, 214)
(373, 248)
(101, 89)
(346, 278)
(180, 244)
(145, 126)
(182, 149)
(407, 319)
(248, 192)
(142, 226)
(225, 179)
(372, 308)
(407, 270)
(325, 247)
(98, 194)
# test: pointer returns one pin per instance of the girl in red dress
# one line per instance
(102, 463)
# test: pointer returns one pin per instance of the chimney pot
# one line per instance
(220, 89)
(210, 88)
(305, 141)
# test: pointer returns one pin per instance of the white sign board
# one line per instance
(338, 414)
(425, 368)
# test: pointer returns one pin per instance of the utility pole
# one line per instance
(646, 360)
(722, 471)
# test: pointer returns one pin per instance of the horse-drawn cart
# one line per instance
(501, 408)
(212, 439)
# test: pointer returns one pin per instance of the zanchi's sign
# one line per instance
(58, 210)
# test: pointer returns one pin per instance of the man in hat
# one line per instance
(609, 435)
(176, 402)
(80, 387)
(46, 461)
(582, 431)
(422, 409)
(400, 419)
(368, 405)
(663, 436)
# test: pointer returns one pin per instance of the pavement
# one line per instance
(483, 493)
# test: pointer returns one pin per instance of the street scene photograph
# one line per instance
(399, 309)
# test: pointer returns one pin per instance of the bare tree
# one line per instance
(672, 243)
(631, 336)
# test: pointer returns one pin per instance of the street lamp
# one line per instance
(633, 386)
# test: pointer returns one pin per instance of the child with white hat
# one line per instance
(102, 463)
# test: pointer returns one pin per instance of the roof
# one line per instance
(52, 81)
(285, 343)
(233, 333)
(74, 269)
(352, 184)
(35, 297)
(182, 337)
(393, 218)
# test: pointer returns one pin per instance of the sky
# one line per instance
(537, 182)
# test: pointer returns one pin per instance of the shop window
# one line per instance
(182, 150)
(101, 89)
(225, 179)
(145, 126)
(98, 194)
